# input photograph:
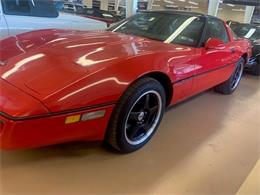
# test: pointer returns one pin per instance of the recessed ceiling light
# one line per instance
(168, 1)
(191, 7)
(193, 3)
(231, 5)
(172, 6)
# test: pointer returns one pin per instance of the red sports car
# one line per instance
(59, 86)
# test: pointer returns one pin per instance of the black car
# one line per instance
(252, 32)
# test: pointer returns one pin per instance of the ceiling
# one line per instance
(200, 5)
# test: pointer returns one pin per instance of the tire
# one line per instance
(137, 115)
(255, 70)
(229, 86)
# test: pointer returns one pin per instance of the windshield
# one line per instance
(246, 31)
(161, 26)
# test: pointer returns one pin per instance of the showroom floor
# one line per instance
(209, 144)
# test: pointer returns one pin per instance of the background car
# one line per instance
(112, 85)
(18, 16)
(251, 32)
(73, 8)
(101, 15)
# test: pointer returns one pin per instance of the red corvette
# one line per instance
(59, 86)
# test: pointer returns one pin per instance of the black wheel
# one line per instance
(232, 83)
(136, 116)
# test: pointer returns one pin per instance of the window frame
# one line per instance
(206, 27)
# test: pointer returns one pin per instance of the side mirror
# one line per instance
(213, 43)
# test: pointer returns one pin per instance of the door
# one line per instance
(27, 15)
(183, 61)
(213, 66)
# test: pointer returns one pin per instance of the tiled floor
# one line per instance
(206, 145)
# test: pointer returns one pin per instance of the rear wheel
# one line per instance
(232, 83)
(255, 70)
(137, 116)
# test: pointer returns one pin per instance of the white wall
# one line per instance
(231, 15)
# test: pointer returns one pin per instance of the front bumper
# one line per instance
(48, 130)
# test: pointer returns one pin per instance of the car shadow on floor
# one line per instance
(87, 168)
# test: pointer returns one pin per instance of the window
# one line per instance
(38, 8)
(216, 29)
(191, 35)
(158, 26)
(235, 37)
(92, 12)
(89, 12)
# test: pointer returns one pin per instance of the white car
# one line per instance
(18, 16)
(73, 8)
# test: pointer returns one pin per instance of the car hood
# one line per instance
(43, 63)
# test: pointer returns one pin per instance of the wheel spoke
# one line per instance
(147, 101)
(146, 127)
(133, 131)
(153, 110)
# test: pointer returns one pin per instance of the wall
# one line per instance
(227, 14)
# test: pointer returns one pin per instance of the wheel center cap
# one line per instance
(141, 116)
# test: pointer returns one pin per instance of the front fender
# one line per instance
(106, 85)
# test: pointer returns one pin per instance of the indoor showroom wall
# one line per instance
(226, 14)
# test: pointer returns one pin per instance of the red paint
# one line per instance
(52, 71)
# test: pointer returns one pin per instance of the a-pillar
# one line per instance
(131, 7)
(104, 5)
(213, 7)
(249, 13)
(88, 3)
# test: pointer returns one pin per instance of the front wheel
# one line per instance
(136, 116)
(232, 83)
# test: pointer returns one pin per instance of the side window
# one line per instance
(89, 12)
(191, 35)
(235, 37)
(216, 29)
(37, 8)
